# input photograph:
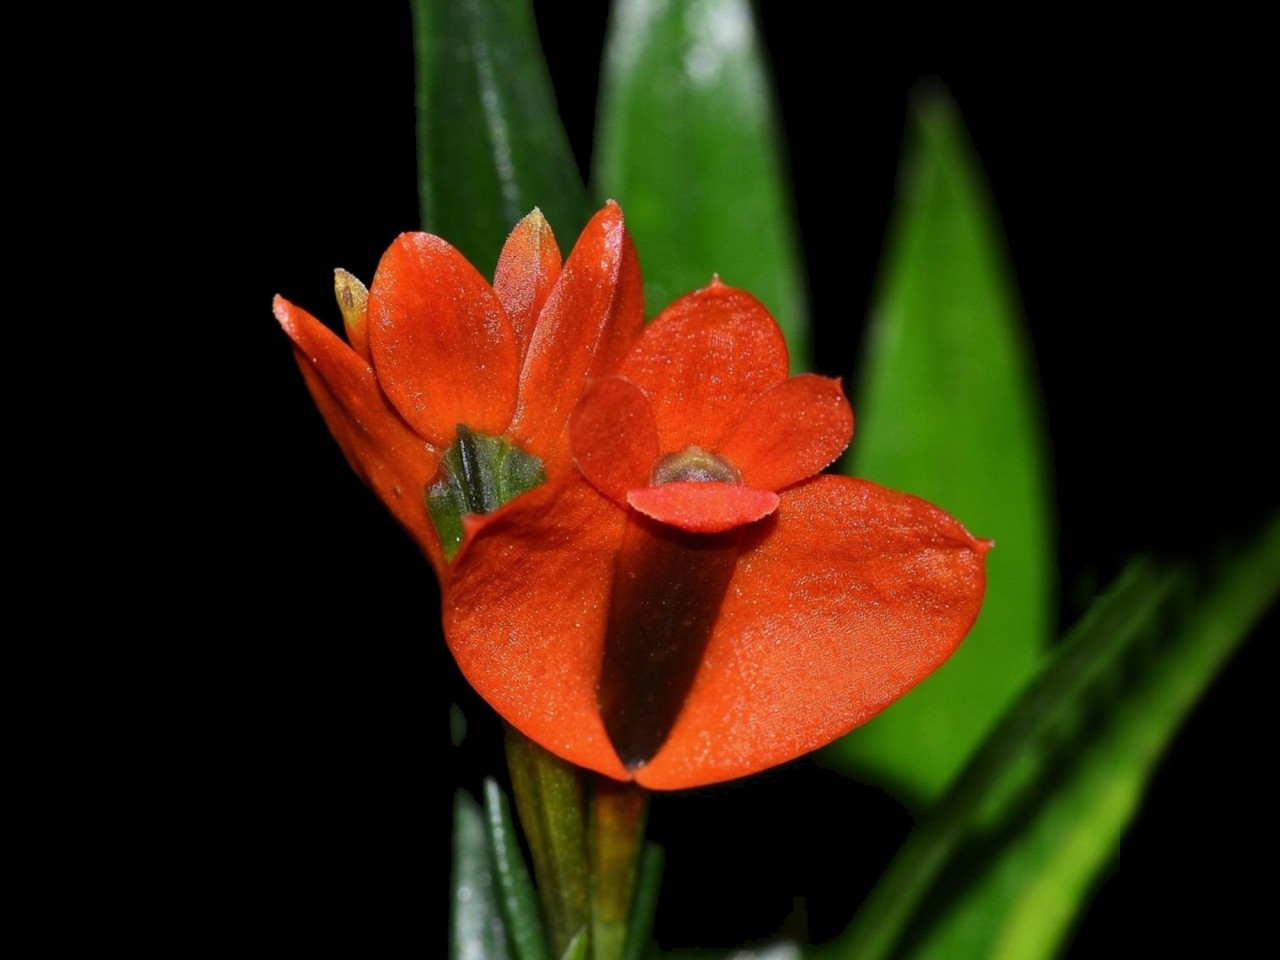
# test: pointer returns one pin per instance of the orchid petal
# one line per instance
(613, 437)
(390, 458)
(848, 597)
(703, 361)
(527, 271)
(526, 615)
(790, 432)
(441, 342)
(586, 326)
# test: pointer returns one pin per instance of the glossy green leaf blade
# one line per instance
(688, 143)
(490, 143)
(1004, 866)
(948, 410)
(519, 899)
(476, 928)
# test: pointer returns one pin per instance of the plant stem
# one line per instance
(618, 814)
(548, 795)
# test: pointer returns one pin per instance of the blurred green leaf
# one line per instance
(490, 143)
(688, 144)
(645, 905)
(948, 410)
(1008, 860)
(773, 951)
(577, 948)
(477, 931)
(519, 899)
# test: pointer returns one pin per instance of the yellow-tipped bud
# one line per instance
(353, 301)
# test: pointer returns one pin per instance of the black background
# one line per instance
(1124, 167)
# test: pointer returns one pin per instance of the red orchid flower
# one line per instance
(697, 604)
(437, 356)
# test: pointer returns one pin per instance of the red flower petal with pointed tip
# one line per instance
(590, 318)
(388, 456)
(446, 348)
(527, 270)
(697, 605)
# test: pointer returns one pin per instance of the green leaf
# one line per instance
(577, 948)
(948, 410)
(519, 899)
(645, 905)
(490, 143)
(1004, 866)
(476, 930)
(773, 951)
(688, 144)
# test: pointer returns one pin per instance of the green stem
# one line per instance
(548, 794)
(618, 814)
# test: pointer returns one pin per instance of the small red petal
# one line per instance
(592, 315)
(849, 597)
(790, 432)
(441, 342)
(527, 270)
(703, 507)
(390, 458)
(703, 361)
(613, 437)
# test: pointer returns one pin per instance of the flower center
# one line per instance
(693, 465)
(478, 474)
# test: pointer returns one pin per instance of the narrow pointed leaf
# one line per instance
(490, 143)
(577, 948)
(689, 145)
(948, 410)
(519, 899)
(1068, 766)
(476, 930)
(645, 905)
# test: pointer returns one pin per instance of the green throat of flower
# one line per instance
(478, 474)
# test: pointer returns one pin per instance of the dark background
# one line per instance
(1123, 169)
